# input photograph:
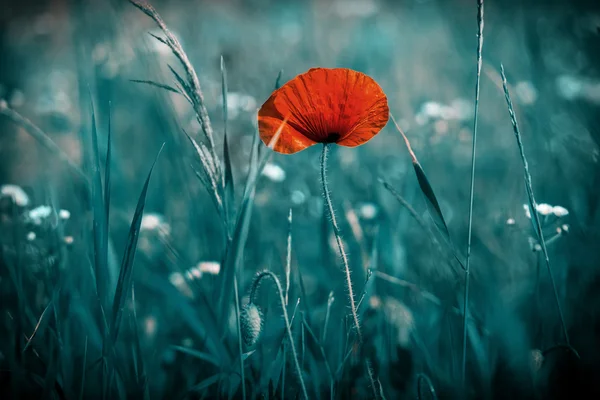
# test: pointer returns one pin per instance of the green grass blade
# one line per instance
(278, 80)
(107, 177)
(41, 324)
(157, 84)
(137, 350)
(532, 204)
(99, 223)
(126, 272)
(235, 247)
(433, 206)
(198, 354)
(83, 369)
(228, 182)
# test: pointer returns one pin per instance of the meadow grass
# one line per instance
(89, 327)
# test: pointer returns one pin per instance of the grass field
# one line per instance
(152, 246)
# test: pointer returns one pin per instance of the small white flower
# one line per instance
(565, 228)
(274, 172)
(176, 279)
(298, 197)
(560, 211)
(17, 193)
(527, 211)
(150, 325)
(31, 236)
(155, 223)
(544, 209)
(209, 267)
(64, 214)
(510, 221)
(151, 221)
(69, 240)
(39, 213)
(526, 92)
(368, 211)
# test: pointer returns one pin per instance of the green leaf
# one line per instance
(126, 272)
(228, 183)
(197, 354)
(99, 223)
(433, 206)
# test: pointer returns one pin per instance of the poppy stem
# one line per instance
(253, 289)
(338, 239)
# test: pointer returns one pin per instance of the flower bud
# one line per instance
(250, 323)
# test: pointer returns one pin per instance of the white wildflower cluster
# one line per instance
(181, 280)
(239, 103)
(546, 210)
(550, 220)
(155, 223)
(273, 172)
(458, 110)
(18, 195)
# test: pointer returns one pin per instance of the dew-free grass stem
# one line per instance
(471, 191)
(253, 289)
(532, 203)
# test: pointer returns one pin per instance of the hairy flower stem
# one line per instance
(255, 284)
(338, 239)
(473, 157)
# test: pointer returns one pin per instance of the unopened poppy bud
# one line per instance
(250, 323)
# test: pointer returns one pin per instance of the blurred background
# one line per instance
(60, 57)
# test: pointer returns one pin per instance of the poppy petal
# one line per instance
(289, 141)
(372, 122)
(326, 106)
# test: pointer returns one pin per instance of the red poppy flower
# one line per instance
(323, 105)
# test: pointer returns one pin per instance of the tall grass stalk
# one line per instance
(473, 158)
(532, 204)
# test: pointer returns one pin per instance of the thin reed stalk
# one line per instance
(467, 268)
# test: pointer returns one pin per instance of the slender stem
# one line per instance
(338, 240)
(239, 331)
(269, 274)
(534, 214)
(473, 158)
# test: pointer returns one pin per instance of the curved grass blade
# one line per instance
(235, 246)
(198, 354)
(207, 382)
(126, 272)
(41, 324)
(424, 385)
(140, 369)
(433, 206)
(157, 84)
